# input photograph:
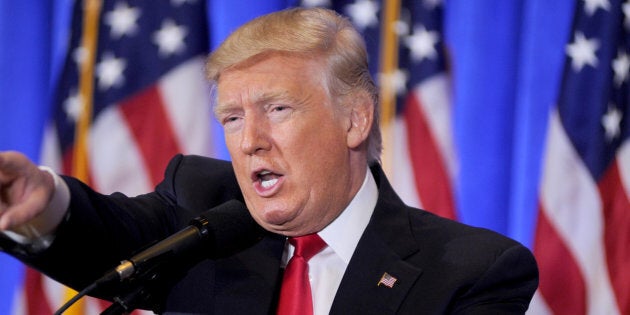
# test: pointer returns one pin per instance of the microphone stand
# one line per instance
(129, 301)
(125, 304)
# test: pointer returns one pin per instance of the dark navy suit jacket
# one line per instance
(440, 266)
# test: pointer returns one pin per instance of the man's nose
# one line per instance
(255, 136)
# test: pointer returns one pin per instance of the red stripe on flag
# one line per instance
(617, 235)
(149, 123)
(103, 305)
(66, 160)
(561, 281)
(36, 301)
(432, 180)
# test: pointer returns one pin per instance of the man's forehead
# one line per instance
(286, 57)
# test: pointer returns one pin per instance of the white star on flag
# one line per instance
(109, 71)
(363, 13)
(170, 38)
(431, 4)
(422, 44)
(611, 121)
(396, 80)
(592, 5)
(122, 20)
(621, 66)
(73, 106)
(79, 55)
(401, 28)
(582, 52)
(315, 3)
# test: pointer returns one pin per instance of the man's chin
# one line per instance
(277, 220)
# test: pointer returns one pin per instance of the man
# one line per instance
(299, 110)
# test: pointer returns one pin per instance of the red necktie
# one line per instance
(295, 293)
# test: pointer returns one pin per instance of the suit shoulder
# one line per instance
(198, 162)
(199, 182)
(195, 167)
(458, 242)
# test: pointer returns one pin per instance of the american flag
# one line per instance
(407, 55)
(132, 94)
(387, 280)
(583, 233)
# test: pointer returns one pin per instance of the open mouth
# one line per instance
(266, 182)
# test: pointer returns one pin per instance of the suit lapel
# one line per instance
(360, 291)
(383, 247)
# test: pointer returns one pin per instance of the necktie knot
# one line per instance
(307, 246)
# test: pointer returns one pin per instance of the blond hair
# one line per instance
(316, 32)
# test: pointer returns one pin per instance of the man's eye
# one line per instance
(279, 108)
(230, 120)
(279, 112)
(232, 123)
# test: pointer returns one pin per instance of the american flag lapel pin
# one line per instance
(387, 280)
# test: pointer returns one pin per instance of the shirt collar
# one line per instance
(343, 234)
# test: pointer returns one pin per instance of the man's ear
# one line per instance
(361, 116)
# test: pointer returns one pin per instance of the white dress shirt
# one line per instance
(326, 268)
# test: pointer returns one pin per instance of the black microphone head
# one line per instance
(228, 229)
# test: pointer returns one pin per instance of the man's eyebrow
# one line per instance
(222, 108)
(264, 98)
(259, 99)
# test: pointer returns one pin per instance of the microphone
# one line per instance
(218, 232)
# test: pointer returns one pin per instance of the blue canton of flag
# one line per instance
(149, 97)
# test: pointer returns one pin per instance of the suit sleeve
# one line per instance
(505, 288)
(101, 230)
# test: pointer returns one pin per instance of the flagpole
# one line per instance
(91, 12)
(86, 87)
(388, 67)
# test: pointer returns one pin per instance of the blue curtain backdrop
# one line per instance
(507, 58)
(29, 51)
(507, 63)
